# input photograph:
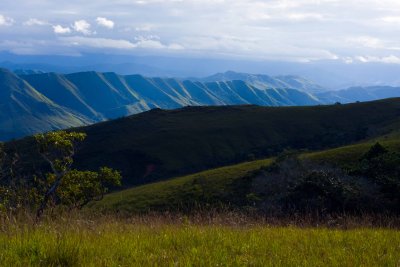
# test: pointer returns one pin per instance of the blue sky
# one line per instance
(288, 30)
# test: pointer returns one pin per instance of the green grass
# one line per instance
(208, 186)
(344, 156)
(218, 186)
(120, 244)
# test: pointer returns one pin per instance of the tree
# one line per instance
(67, 186)
(80, 187)
(58, 149)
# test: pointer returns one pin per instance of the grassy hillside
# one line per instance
(226, 185)
(212, 186)
(93, 243)
(161, 144)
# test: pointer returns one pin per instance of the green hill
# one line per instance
(161, 144)
(231, 185)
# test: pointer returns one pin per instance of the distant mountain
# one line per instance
(24, 111)
(354, 94)
(27, 71)
(38, 101)
(86, 97)
(262, 81)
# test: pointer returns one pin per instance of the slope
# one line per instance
(354, 94)
(222, 186)
(23, 110)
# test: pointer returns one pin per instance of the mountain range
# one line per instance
(34, 102)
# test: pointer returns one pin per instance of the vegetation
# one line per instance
(162, 144)
(325, 208)
(62, 186)
(319, 183)
(154, 241)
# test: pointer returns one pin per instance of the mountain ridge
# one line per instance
(88, 97)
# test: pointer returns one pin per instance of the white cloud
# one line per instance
(6, 21)
(294, 30)
(305, 16)
(35, 22)
(391, 19)
(104, 22)
(58, 29)
(82, 26)
(98, 42)
(153, 42)
(145, 28)
(366, 41)
(140, 42)
(392, 59)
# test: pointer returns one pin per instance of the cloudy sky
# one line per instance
(287, 30)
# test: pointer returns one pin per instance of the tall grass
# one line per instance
(196, 241)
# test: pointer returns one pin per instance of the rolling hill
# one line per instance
(230, 185)
(160, 144)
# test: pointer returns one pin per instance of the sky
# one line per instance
(350, 31)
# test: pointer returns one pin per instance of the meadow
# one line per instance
(165, 241)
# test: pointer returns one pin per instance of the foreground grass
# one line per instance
(85, 243)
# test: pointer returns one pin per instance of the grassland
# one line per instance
(209, 186)
(153, 243)
(221, 185)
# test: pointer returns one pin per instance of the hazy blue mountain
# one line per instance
(44, 101)
(354, 94)
(108, 95)
(23, 110)
(79, 98)
(332, 74)
(27, 71)
(262, 81)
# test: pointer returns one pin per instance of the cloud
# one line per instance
(290, 30)
(58, 29)
(35, 22)
(391, 19)
(6, 21)
(98, 42)
(153, 42)
(145, 28)
(104, 22)
(392, 59)
(82, 26)
(140, 43)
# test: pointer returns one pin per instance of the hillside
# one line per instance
(24, 110)
(263, 81)
(96, 97)
(160, 144)
(231, 185)
(354, 94)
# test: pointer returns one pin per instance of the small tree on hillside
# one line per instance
(66, 186)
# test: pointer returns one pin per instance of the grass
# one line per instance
(117, 243)
(220, 185)
(208, 186)
(346, 155)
